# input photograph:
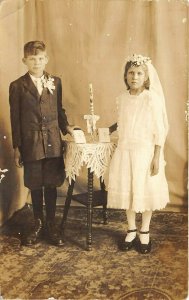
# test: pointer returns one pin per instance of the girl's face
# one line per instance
(136, 76)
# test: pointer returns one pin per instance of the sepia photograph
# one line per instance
(94, 112)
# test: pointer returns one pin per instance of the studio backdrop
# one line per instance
(89, 41)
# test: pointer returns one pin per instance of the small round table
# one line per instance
(96, 157)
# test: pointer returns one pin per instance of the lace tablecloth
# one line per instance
(95, 156)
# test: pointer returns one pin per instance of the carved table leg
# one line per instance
(67, 205)
(89, 210)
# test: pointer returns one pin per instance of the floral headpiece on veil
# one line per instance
(138, 60)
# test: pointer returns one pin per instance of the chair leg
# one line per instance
(102, 184)
(105, 214)
(104, 196)
(67, 205)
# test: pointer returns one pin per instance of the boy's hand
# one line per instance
(154, 167)
(70, 129)
(17, 158)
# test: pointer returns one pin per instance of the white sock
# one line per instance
(131, 215)
(146, 218)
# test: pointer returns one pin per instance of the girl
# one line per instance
(137, 180)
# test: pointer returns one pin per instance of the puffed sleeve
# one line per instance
(62, 118)
(158, 128)
(14, 101)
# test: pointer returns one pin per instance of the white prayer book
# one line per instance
(104, 135)
(79, 136)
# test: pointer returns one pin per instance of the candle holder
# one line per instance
(91, 125)
(91, 118)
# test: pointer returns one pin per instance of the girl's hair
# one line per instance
(33, 48)
(130, 64)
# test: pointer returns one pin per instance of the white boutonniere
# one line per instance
(48, 82)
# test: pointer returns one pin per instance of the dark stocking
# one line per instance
(50, 195)
(37, 203)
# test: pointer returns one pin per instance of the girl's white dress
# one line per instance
(140, 128)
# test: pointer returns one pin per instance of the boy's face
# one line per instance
(36, 63)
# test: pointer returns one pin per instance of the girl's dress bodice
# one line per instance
(139, 120)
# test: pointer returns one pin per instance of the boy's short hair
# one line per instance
(130, 64)
(33, 48)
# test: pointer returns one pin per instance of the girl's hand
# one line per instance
(154, 167)
(17, 158)
(112, 128)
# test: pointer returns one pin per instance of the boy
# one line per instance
(37, 117)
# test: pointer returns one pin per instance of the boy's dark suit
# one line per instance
(36, 120)
(36, 123)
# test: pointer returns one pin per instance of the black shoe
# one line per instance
(126, 246)
(145, 248)
(34, 236)
(53, 235)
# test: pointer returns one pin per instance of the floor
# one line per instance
(47, 272)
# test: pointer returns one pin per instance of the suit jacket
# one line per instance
(36, 120)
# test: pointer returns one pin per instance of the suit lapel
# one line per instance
(30, 86)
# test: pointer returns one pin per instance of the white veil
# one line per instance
(155, 84)
(156, 87)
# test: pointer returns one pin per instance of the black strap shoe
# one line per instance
(145, 248)
(126, 246)
(53, 235)
(34, 236)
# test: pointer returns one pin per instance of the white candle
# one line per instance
(91, 99)
(91, 91)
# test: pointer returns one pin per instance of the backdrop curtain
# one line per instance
(89, 41)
